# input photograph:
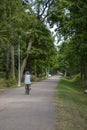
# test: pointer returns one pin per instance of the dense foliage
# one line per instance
(70, 17)
(24, 22)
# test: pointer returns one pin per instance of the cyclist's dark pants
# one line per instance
(27, 88)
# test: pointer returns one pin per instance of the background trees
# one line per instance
(70, 18)
(28, 23)
(25, 23)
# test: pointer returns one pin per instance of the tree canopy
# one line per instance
(28, 23)
(24, 22)
(70, 17)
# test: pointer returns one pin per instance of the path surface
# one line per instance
(29, 112)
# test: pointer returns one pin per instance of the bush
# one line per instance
(7, 83)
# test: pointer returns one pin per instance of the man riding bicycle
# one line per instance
(27, 82)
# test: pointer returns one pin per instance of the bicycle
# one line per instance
(27, 89)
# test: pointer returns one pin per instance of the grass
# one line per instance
(71, 106)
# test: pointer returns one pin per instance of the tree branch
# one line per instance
(45, 8)
(44, 14)
(78, 4)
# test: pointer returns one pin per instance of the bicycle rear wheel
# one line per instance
(27, 89)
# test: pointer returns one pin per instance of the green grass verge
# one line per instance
(71, 105)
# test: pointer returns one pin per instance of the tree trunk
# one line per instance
(7, 65)
(12, 62)
(35, 69)
(25, 60)
(85, 76)
(65, 73)
(81, 68)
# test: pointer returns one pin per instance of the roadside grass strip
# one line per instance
(71, 103)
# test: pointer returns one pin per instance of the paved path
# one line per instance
(29, 112)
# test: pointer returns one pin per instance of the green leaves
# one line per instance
(22, 23)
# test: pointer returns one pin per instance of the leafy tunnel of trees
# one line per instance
(26, 22)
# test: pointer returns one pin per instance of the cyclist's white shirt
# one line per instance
(27, 79)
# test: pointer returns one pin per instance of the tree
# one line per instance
(39, 12)
(70, 18)
(11, 19)
(28, 21)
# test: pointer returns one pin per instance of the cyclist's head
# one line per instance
(27, 72)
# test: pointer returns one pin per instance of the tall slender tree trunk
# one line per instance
(86, 71)
(7, 65)
(25, 60)
(35, 70)
(85, 76)
(81, 68)
(65, 73)
(12, 63)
